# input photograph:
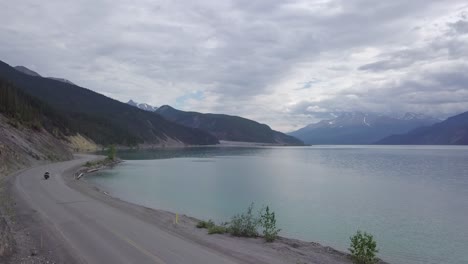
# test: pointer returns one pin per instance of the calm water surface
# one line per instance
(413, 199)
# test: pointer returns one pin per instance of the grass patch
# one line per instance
(97, 163)
(205, 224)
(215, 229)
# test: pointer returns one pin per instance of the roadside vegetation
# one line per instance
(246, 224)
(363, 248)
(111, 157)
(111, 153)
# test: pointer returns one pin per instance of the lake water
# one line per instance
(414, 200)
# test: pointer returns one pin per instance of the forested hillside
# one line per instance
(226, 127)
(25, 110)
(102, 119)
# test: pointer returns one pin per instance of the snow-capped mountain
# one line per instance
(360, 128)
(142, 106)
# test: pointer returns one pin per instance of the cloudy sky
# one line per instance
(284, 63)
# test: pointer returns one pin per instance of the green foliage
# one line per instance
(245, 224)
(363, 248)
(25, 110)
(268, 222)
(215, 229)
(205, 224)
(111, 152)
(212, 227)
(16, 105)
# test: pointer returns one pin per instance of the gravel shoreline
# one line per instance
(38, 242)
(246, 250)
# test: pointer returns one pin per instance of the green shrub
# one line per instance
(363, 248)
(268, 222)
(244, 225)
(111, 152)
(205, 224)
(214, 229)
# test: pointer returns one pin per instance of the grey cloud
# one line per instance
(460, 27)
(439, 92)
(385, 65)
(233, 50)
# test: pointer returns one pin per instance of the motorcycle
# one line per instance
(46, 175)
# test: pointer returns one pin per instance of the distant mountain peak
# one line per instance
(165, 108)
(33, 73)
(142, 106)
(27, 71)
(360, 127)
(132, 103)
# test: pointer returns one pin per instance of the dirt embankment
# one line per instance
(22, 147)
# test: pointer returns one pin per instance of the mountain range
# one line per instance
(360, 128)
(452, 131)
(227, 127)
(102, 119)
(68, 110)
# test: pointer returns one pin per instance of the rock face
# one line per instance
(360, 128)
(229, 128)
(21, 147)
(453, 131)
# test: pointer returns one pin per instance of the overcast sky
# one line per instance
(284, 63)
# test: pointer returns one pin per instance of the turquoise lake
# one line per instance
(414, 200)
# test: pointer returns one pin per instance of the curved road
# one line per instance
(97, 233)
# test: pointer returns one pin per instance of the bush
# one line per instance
(244, 225)
(214, 229)
(111, 153)
(363, 248)
(268, 222)
(205, 224)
